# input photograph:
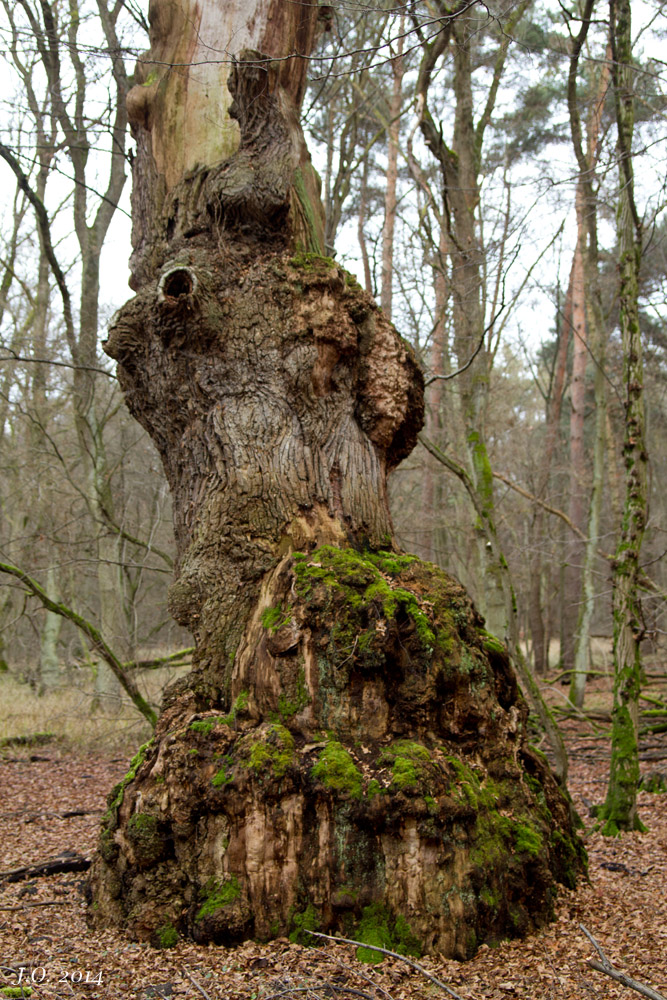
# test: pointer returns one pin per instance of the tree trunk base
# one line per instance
(372, 777)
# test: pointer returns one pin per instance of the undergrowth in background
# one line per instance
(75, 717)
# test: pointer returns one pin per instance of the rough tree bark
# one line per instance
(350, 750)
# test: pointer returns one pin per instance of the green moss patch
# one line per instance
(147, 841)
(218, 894)
(167, 936)
(239, 706)
(374, 788)
(362, 579)
(274, 618)
(223, 776)
(492, 643)
(203, 726)
(295, 700)
(336, 769)
(301, 922)
(115, 798)
(379, 927)
(306, 261)
(274, 752)
(206, 726)
(409, 763)
(527, 839)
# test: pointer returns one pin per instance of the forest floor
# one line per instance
(43, 920)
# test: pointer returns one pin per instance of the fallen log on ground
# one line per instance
(68, 861)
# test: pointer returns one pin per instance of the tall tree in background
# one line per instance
(590, 339)
(72, 94)
(620, 807)
(460, 166)
(332, 675)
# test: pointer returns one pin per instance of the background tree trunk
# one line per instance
(577, 471)
(390, 202)
(620, 807)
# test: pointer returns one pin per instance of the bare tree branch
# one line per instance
(91, 633)
(604, 965)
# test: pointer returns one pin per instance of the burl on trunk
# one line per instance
(350, 749)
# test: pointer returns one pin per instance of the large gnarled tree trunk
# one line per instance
(351, 744)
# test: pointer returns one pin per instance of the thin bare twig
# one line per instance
(394, 954)
(196, 985)
(604, 965)
(357, 972)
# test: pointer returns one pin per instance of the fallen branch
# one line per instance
(604, 965)
(55, 866)
(196, 985)
(49, 902)
(394, 954)
(160, 661)
(31, 739)
(662, 728)
(356, 972)
(29, 817)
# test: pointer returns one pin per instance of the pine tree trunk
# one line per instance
(351, 745)
(577, 504)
